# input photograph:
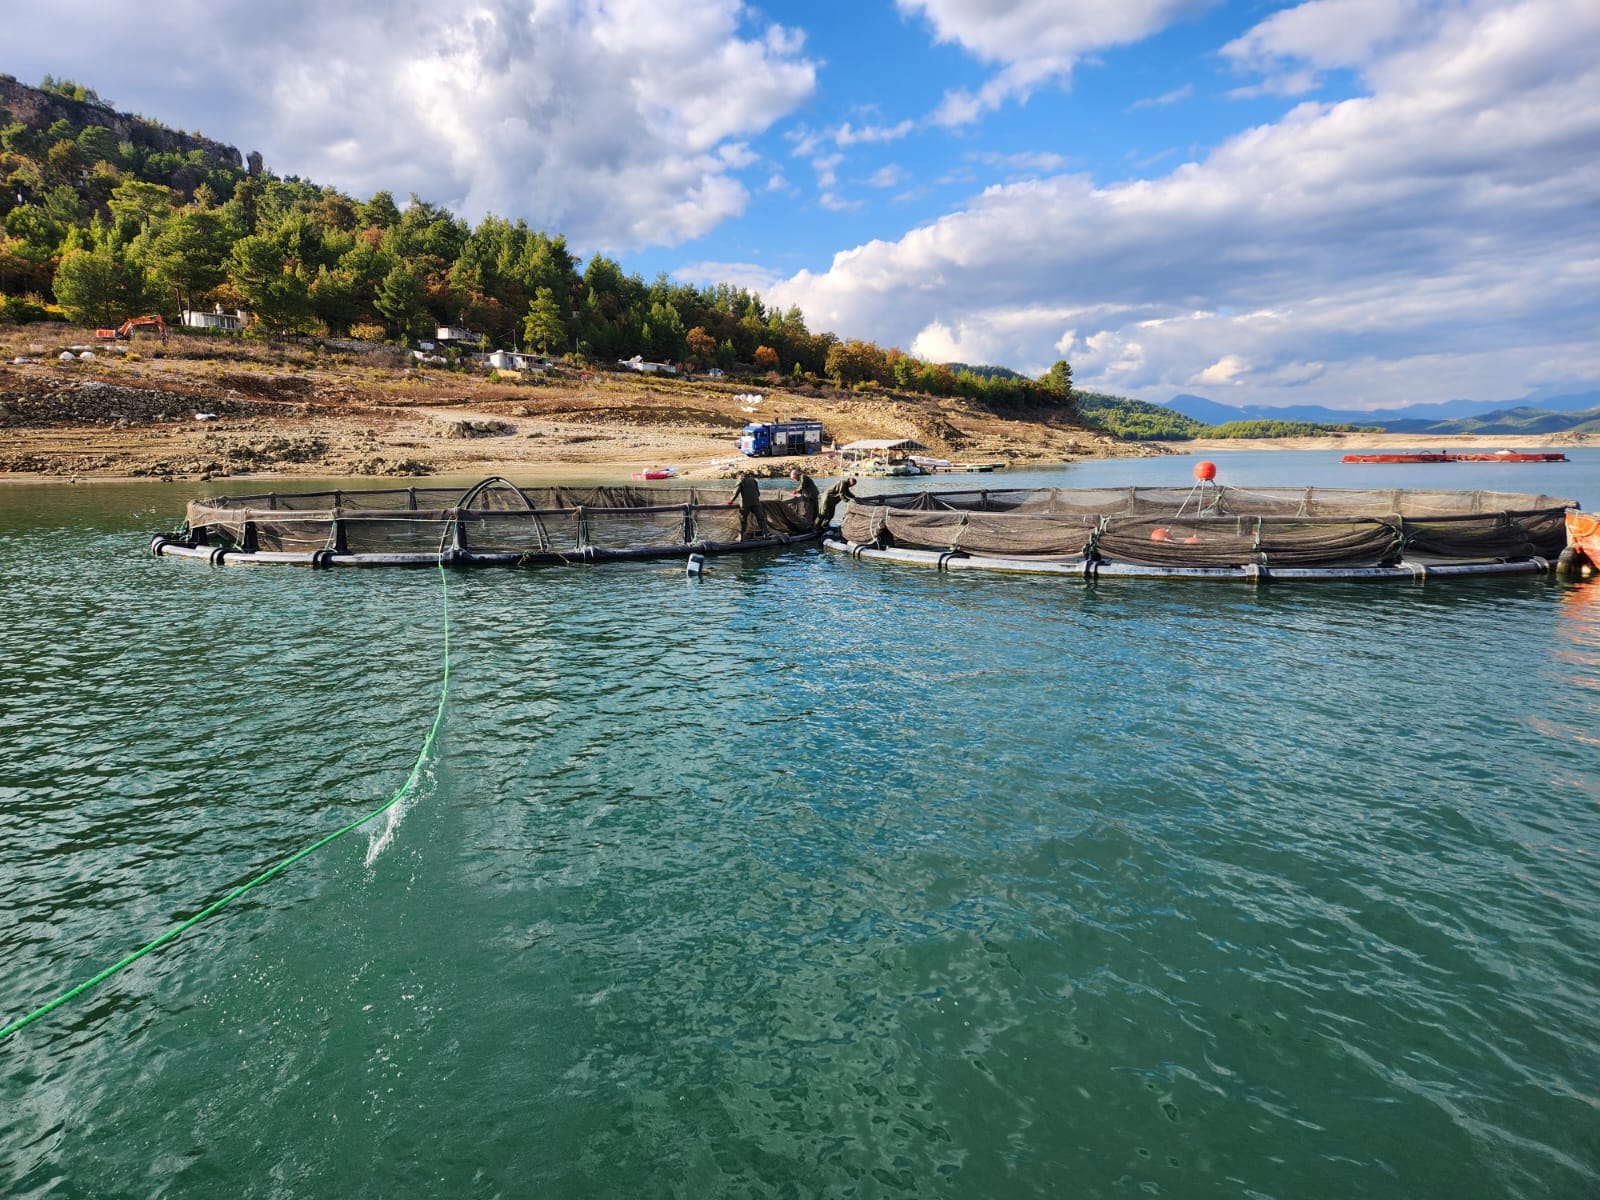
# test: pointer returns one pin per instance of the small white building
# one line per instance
(638, 363)
(226, 322)
(515, 360)
(456, 335)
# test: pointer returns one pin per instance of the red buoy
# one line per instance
(1204, 471)
(1159, 535)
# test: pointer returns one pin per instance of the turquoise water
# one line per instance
(811, 877)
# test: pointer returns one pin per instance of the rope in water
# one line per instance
(218, 905)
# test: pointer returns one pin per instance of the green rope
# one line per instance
(218, 905)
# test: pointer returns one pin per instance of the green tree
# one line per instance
(278, 293)
(543, 326)
(402, 300)
(380, 212)
(1058, 380)
(336, 299)
(186, 257)
(99, 286)
(667, 339)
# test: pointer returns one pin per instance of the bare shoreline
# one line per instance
(201, 409)
(694, 457)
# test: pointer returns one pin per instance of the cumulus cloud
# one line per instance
(1433, 238)
(621, 123)
(1034, 42)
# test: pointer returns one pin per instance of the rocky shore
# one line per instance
(201, 407)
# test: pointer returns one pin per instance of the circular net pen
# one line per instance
(1212, 531)
(492, 523)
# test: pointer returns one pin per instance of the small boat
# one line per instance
(656, 473)
(943, 466)
(1583, 535)
(902, 467)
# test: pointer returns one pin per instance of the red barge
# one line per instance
(1515, 456)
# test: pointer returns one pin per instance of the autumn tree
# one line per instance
(702, 346)
(854, 362)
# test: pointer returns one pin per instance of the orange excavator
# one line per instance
(125, 330)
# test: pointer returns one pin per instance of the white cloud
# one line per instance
(753, 277)
(1225, 370)
(1332, 33)
(620, 123)
(1435, 238)
(1166, 98)
(849, 135)
(1041, 162)
(1034, 42)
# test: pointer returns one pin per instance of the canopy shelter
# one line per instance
(870, 446)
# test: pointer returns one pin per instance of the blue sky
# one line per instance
(1358, 203)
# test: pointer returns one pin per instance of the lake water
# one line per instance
(809, 878)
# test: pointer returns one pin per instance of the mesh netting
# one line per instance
(491, 518)
(1218, 526)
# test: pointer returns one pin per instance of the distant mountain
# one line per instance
(1553, 409)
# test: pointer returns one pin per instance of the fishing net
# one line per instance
(492, 519)
(1218, 526)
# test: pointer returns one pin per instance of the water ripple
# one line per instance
(808, 877)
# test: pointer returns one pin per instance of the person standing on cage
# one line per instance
(833, 497)
(805, 491)
(747, 495)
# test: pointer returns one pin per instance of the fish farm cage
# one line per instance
(492, 523)
(1212, 531)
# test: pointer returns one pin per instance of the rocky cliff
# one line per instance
(39, 110)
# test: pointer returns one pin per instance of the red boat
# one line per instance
(1398, 458)
(1516, 456)
(1583, 532)
(1513, 456)
(656, 473)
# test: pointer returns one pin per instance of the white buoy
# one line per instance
(697, 564)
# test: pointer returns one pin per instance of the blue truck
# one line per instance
(781, 437)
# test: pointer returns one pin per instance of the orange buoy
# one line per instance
(1192, 540)
(1159, 535)
(1205, 470)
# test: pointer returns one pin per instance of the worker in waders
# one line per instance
(833, 497)
(747, 495)
(805, 491)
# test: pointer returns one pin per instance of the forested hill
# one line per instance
(108, 215)
(1137, 421)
